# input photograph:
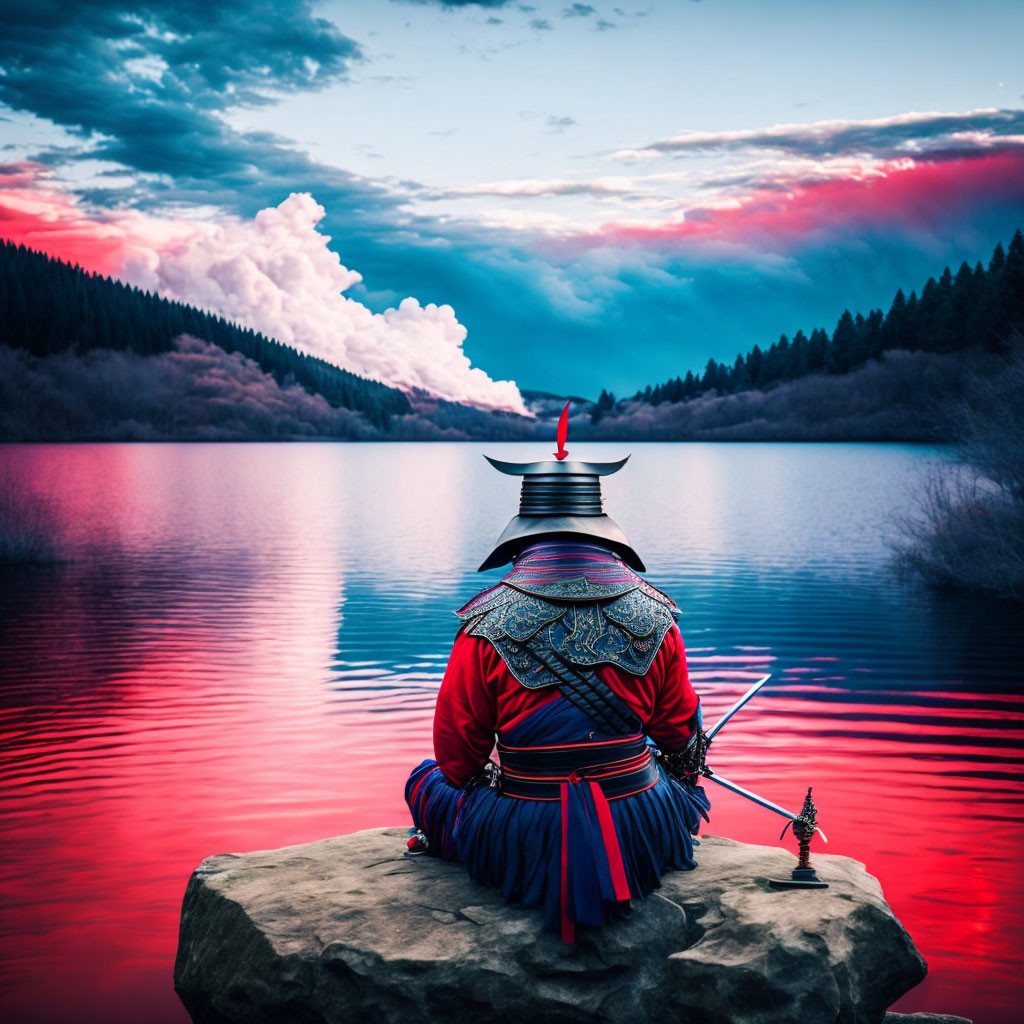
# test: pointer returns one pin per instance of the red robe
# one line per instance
(479, 696)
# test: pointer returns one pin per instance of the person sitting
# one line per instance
(575, 666)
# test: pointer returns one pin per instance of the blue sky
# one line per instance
(710, 66)
(602, 194)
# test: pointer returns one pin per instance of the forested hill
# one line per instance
(48, 307)
(977, 307)
(85, 357)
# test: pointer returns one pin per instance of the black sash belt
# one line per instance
(619, 767)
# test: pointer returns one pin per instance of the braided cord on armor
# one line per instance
(584, 690)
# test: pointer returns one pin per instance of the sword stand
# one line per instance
(804, 826)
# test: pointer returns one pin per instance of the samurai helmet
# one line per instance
(561, 499)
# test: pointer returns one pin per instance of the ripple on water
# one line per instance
(253, 661)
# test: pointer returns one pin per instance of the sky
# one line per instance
(475, 198)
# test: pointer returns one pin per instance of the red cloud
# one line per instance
(908, 194)
(39, 214)
(274, 274)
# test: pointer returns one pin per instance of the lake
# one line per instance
(239, 630)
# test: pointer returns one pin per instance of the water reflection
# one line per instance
(245, 648)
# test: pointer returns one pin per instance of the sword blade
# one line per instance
(732, 711)
(767, 804)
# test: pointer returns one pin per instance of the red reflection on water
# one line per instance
(150, 719)
(112, 815)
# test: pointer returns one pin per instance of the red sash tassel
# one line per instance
(568, 927)
(611, 842)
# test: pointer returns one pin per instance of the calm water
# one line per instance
(244, 648)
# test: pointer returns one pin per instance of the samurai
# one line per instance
(572, 668)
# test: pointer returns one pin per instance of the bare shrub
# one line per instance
(196, 392)
(989, 423)
(26, 524)
(968, 529)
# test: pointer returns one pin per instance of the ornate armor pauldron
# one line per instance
(581, 625)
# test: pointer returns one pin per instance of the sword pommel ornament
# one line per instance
(805, 824)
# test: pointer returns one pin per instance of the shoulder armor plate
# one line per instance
(623, 629)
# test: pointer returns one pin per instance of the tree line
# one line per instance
(979, 306)
(48, 306)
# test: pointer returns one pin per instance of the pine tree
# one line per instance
(710, 378)
(941, 319)
(817, 350)
(840, 355)
(1013, 276)
(739, 379)
(774, 367)
(797, 356)
(874, 339)
(998, 261)
(964, 300)
(894, 329)
(604, 403)
(755, 366)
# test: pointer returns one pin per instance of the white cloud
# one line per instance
(532, 188)
(277, 275)
(882, 136)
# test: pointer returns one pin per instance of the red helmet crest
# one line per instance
(563, 431)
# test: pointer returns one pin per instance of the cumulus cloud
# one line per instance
(277, 275)
(274, 273)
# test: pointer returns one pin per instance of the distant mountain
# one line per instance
(533, 397)
(85, 357)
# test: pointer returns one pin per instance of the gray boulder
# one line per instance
(348, 927)
(923, 1018)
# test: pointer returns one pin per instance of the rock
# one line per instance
(923, 1018)
(349, 927)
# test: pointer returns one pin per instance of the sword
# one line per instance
(708, 773)
(715, 777)
(732, 711)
